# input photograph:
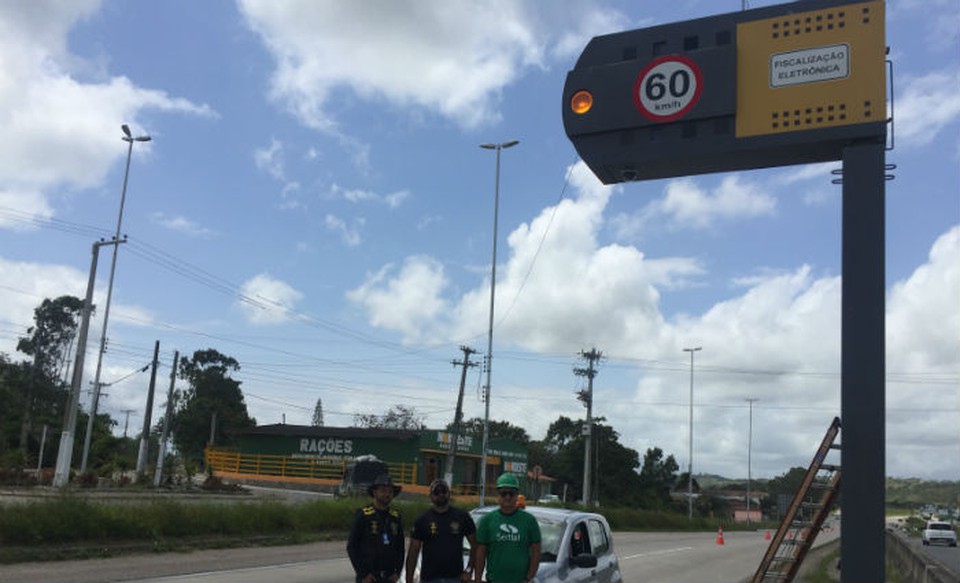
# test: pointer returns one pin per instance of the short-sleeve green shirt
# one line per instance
(508, 538)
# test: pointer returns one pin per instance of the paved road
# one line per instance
(675, 557)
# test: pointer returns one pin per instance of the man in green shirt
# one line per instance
(508, 539)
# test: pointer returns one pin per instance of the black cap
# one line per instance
(383, 480)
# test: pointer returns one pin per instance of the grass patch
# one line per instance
(72, 521)
(822, 573)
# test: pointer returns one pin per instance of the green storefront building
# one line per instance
(416, 457)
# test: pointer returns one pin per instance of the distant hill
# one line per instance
(902, 492)
(912, 492)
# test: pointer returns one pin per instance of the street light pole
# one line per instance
(690, 453)
(493, 286)
(750, 400)
(130, 139)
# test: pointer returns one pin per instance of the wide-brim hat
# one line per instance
(383, 480)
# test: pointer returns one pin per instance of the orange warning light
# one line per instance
(581, 102)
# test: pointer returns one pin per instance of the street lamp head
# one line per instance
(128, 136)
(500, 146)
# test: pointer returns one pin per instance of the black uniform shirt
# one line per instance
(375, 544)
(442, 536)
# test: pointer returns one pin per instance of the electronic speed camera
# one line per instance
(786, 84)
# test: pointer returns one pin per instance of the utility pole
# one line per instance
(61, 476)
(750, 400)
(458, 416)
(587, 398)
(158, 474)
(126, 420)
(148, 415)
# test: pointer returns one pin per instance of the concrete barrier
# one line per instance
(912, 565)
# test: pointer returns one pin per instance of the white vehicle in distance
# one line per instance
(938, 532)
(549, 499)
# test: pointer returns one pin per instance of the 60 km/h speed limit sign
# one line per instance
(668, 88)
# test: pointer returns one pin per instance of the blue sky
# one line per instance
(314, 203)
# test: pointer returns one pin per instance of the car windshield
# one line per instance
(551, 533)
(939, 526)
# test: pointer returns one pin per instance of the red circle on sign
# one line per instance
(668, 88)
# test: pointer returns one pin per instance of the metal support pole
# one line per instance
(863, 364)
(750, 454)
(493, 287)
(106, 309)
(690, 453)
(61, 475)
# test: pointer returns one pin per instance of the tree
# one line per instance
(48, 342)
(318, 413)
(212, 393)
(397, 417)
(657, 478)
(561, 455)
(785, 486)
(497, 429)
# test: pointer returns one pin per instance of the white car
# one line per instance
(938, 532)
(575, 547)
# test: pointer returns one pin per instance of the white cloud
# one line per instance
(270, 160)
(687, 205)
(182, 225)
(452, 58)
(58, 129)
(777, 339)
(392, 200)
(349, 234)
(927, 106)
(270, 300)
(19, 210)
(407, 302)
(25, 285)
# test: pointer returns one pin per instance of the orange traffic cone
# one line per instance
(767, 536)
(720, 536)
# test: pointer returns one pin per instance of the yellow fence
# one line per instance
(320, 470)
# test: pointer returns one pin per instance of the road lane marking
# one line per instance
(655, 553)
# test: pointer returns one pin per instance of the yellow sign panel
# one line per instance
(810, 70)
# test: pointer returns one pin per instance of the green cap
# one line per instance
(508, 480)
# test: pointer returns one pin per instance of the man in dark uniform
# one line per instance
(375, 544)
(440, 532)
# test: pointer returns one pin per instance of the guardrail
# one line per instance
(299, 469)
(913, 566)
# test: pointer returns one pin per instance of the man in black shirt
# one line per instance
(375, 543)
(439, 532)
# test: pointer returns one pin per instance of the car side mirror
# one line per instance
(583, 561)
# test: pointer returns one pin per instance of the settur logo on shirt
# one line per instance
(508, 532)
